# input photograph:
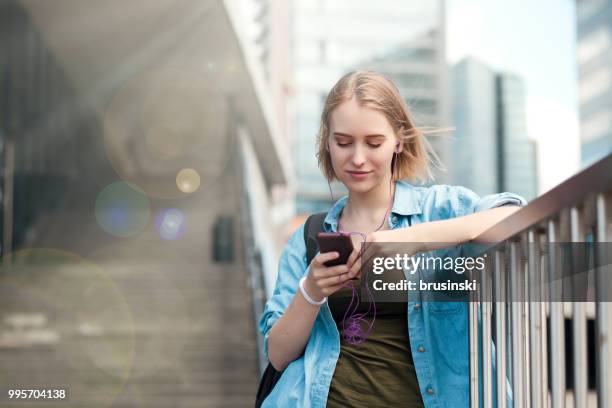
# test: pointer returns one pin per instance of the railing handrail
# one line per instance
(594, 179)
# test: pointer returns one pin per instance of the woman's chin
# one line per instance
(359, 186)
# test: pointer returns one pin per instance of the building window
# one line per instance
(593, 44)
(595, 84)
(596, 125)
(585, 9)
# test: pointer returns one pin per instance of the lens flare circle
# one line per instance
(188, 180)
(170, 223)
(122, 209)
(166, 119)
(58, 297)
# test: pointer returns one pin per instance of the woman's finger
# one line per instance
(355, 267)
(332, 271)
(334, 280)
(323, 257)
(334, 288)
(365, 258)
(353, 257)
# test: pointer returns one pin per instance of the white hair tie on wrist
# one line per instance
(307, 296)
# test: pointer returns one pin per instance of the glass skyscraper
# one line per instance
(474, 118)
(595, 72)
(491, 147)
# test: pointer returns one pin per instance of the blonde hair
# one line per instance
(375, 91)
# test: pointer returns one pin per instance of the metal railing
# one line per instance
(522, 332)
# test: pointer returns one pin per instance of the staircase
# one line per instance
(128, 322)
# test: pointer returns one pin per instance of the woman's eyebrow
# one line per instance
(377, 135)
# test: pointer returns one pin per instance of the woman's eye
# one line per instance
(344, 144)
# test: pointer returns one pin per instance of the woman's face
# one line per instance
(361, 145)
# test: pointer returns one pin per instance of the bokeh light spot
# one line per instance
(166, 119)
(170, 223)
(61, 302)
(188, 180)
(122, 209)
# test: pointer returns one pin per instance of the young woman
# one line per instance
(416, 354)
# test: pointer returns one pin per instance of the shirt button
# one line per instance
(430, 391)
(421, 349)
(417, 306)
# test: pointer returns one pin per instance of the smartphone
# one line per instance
(335, 241)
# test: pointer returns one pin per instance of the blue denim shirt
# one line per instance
(438, 331)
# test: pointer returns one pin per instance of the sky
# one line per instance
(536, 40)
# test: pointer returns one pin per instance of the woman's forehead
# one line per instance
(352, 119)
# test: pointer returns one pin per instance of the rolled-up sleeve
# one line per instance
(469, 202)
(465, 202)
(291, 267)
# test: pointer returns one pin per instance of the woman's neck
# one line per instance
(369, 208)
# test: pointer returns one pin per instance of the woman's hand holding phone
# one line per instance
(361, 253)
(324, 280)
(380, 244)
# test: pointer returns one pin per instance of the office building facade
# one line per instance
(594, 49)
(492, 150)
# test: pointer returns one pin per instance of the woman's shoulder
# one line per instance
(437, 201)
(457, 200)
(296, 235)
(437, 192)
(441, 188)
(292, 261)
(295, 246)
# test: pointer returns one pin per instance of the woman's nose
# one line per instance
(358, 156)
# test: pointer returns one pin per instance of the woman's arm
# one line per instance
(432, 235)
(451, 231)
(289, 335)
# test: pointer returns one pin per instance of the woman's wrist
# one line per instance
(409, 235)
(309, 294)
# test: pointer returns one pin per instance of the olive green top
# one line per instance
(378, 372)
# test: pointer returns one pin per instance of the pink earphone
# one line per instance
(397, 147)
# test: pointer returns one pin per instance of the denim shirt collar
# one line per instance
(406, 202)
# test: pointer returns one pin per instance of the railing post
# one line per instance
(485, 308)
(535, 321)
(518, 368)
(578, 318)
(473, 327)
(527, 357)
(604, 309)
(499, 282)
(544, 308)
(557, 322)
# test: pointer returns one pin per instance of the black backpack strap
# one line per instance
(313, 225)
(268, 380)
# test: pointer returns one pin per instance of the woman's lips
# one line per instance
(358, 175)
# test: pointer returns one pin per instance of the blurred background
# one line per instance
(156, 155)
